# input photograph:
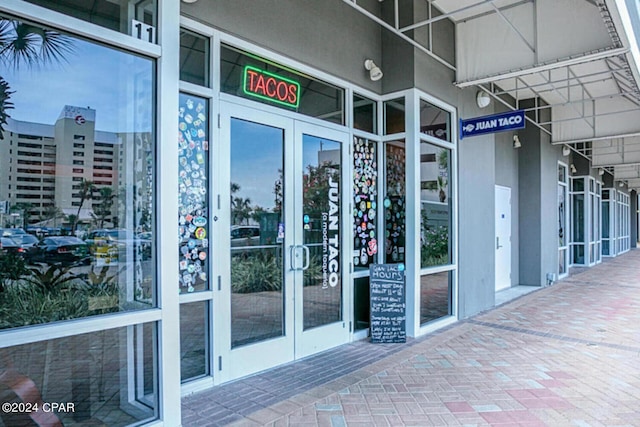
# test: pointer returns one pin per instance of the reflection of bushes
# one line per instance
(313, 275)
(53, 293)
(12, 268)
(256, 271)
(434, 248)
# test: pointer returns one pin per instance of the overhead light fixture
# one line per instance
(573, 168)
(600, 171)
(516, 142)
(483, 99)
(375, 73)
(566, 150)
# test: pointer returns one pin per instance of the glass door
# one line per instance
(319, 205)
(282, 210)
(255, 308)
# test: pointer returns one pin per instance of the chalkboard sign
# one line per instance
(388, 307)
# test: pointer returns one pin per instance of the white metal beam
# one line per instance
(398, 33)
(553, 65)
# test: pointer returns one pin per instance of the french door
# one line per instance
(282, 291)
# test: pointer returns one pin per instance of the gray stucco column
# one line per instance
(537, 202)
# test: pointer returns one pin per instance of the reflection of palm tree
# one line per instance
(241, 209)
(5, 104)
(105, 197)
(25, 210)
(23, 44)
(85, 193)
(442, 183)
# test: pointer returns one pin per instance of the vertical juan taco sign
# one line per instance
(331, 238)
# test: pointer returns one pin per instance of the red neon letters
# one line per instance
(269, 86)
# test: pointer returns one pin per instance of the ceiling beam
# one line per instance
(553, 65)
(599, 138)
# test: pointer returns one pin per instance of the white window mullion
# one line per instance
(167, 212)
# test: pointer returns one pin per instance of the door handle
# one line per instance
(498, 245)
(307, 261)
(291, 249)
(294, 253)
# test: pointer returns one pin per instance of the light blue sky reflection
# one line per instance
(256, 155)
(118, 85)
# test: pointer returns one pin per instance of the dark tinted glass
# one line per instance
(365, 114)
(435, 121)
(194, 58)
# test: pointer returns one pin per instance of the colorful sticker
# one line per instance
(193, 195)
(200, 233)
(200, 221)
(364, 195)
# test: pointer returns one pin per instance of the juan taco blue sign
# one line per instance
(491, 124)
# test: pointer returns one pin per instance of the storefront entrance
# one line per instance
(283, 283)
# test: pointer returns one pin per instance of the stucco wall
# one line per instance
(337, 41)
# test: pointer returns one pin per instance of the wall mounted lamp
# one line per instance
(573, 168)
(600, 171)
(516, 142)
(566, 150)
(483, 99)
(621, 184)
(375, 73)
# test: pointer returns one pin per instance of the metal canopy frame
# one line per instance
(574, 83)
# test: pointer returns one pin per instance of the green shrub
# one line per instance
(434, 248)
(53, 293)
(256, 272)
(12, 268)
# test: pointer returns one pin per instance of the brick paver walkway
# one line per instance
(566, 355)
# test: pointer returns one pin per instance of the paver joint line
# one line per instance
(471, 372)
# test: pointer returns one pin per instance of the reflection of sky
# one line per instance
(257, 154)
(312, 146)
(107, 80)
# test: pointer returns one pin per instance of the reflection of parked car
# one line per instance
(9, 245)
(10, 232)
(26, 241)
(114, 243)
(245, 235)
(60, 249)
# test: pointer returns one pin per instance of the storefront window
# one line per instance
(435, 296)
(361, 307)
(194, 343)
(394, 202)
(77, 241)
(435, 205)
(365, 114)
(194, 58)
(193, 159)
(261, 80)
(365, 193)
(394, 113)
(99, 377)
(435, 121)
(257, 232)
(137, 18)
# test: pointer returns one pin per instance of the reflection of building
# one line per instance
(46, 165)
